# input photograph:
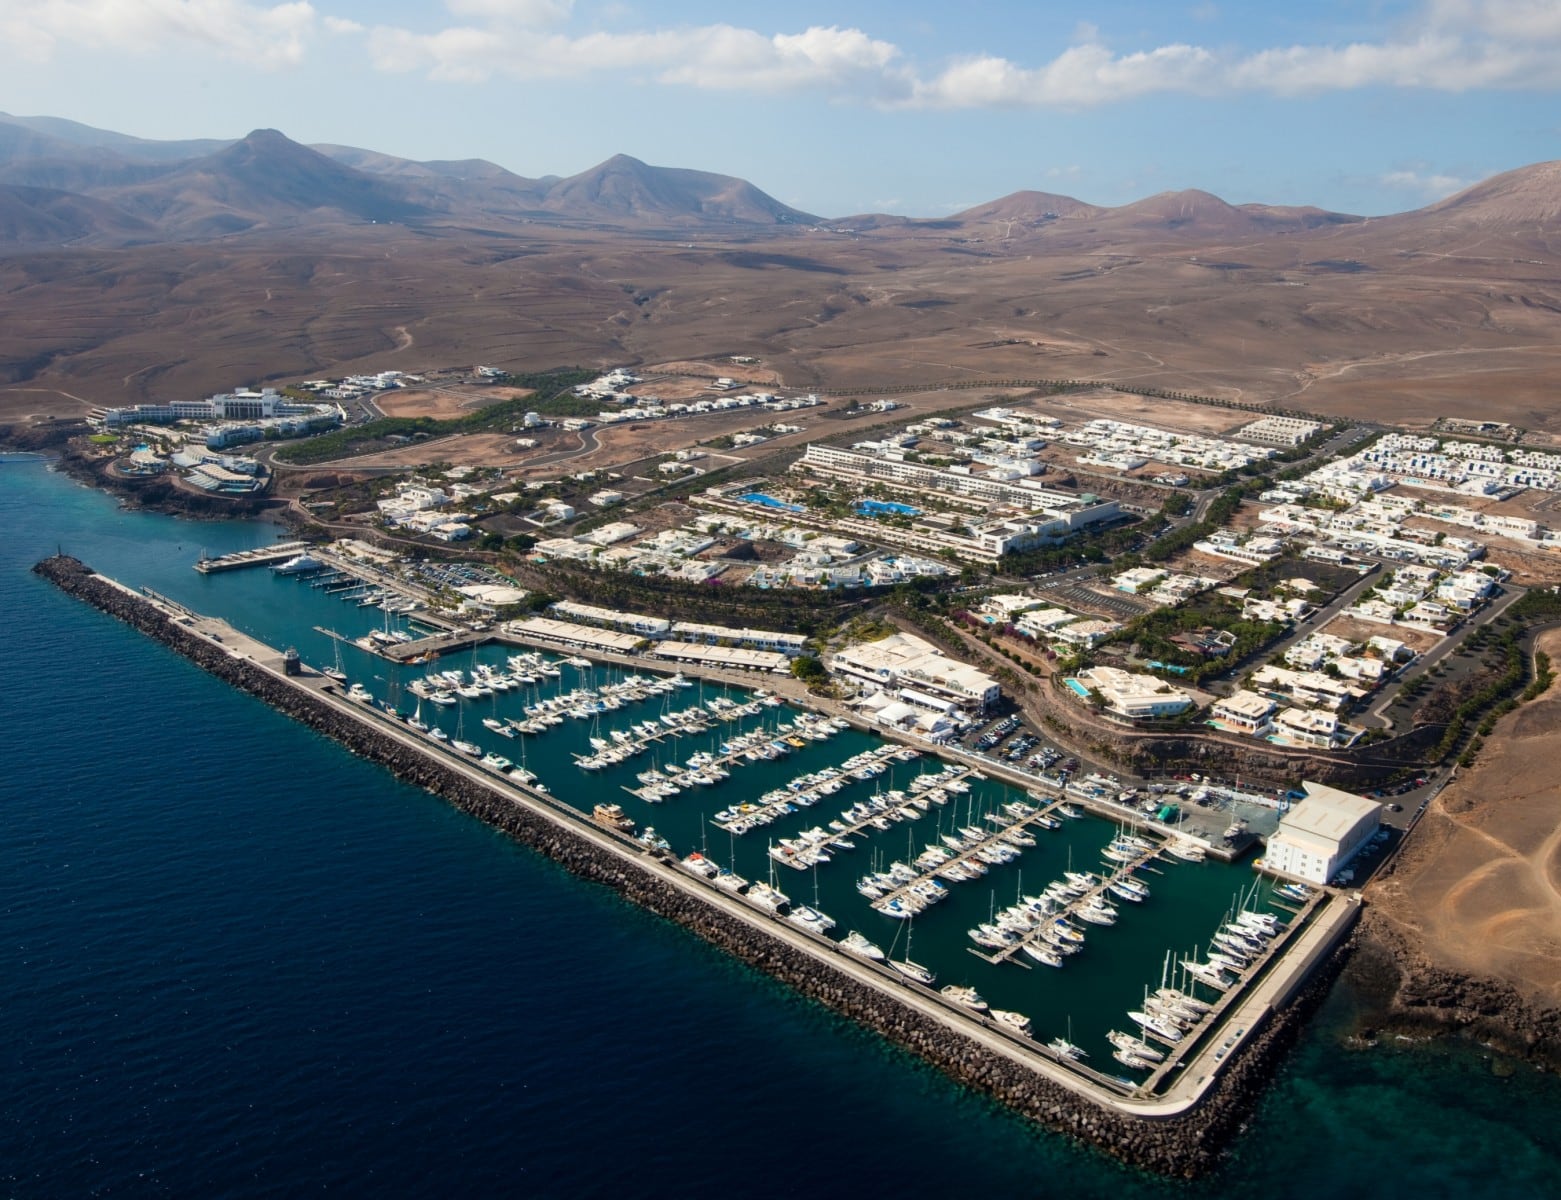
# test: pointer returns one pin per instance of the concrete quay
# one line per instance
(1178, 1131)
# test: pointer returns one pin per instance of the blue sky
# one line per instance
(854, 106)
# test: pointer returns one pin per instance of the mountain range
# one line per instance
(63, 183)
(133, 270)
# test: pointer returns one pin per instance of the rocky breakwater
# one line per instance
(1188, 1144)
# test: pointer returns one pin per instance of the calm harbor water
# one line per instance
(239, 960)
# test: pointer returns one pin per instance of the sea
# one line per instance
(237, 960)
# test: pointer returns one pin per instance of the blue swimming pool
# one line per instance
(878, 508)
(1077, 687)
(770, 502)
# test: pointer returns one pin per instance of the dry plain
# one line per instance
(1373, 319)
(1479, 886)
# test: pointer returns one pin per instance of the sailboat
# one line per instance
(811, 916)
(912, 970)
(416, 719)
(336, 672)
(1066, 1047)
(766, 895)
(468, 748)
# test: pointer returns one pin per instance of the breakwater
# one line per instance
(1186, 1143)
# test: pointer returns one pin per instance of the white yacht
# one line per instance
(811, 919)
(858, 944)
(767, 897)
(1014, 1022)
(1136, 1046)
(966, 997)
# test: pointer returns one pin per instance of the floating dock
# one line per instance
(259, 557)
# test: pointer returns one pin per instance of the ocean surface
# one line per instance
(237, 960)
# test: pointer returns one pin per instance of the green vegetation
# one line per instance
(1220, 511)
(808, 669)
(552, 397)
(1496, 698)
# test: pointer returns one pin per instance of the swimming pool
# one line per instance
(770, 502)
(1078, 687)
(878, 508)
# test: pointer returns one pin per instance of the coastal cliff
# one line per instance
(1403, 990)
(1186, 1146)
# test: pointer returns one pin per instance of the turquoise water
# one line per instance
(874, 508)
(238, 960)
(1077, 687)
(765, 501)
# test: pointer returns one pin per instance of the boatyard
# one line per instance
(1146, 1028)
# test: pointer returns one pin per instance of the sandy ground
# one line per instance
(1479, 888)
(756, 373)
(1357, 630)
(1080, 407)
(443, 402)
(609, 447)
(35, 404)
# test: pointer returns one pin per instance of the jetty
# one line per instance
(259, 557)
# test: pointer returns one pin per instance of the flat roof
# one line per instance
(734, 656)
(1328, 812)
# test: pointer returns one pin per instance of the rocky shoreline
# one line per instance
(1402, 991)
(1187, 1146)
(159, 494)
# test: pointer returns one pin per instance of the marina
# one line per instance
(577, 710)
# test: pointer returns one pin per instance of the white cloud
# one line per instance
(1448, 45)
(263, 35)
(1427, 185)
(529, 14)
(1443, 45)
(717, 57)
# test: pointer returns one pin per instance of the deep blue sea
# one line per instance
(236, 961)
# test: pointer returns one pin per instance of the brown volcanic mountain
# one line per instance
(1031, 207)
(624, 190)
(1528, 196)
(264, 179)
(47, 217)
(1451, 308)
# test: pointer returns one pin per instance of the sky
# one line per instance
(854, 106)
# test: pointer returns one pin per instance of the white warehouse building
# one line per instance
(1321, 834)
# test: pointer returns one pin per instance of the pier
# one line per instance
(259, 557)
(1178, 1129)
(1094, 893)
(971, 850)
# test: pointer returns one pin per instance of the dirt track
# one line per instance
(1479, 889)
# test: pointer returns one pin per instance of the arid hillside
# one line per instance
(283, 262)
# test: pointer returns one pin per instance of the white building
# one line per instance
(919, 669)
(1320, 834)
(1245, 712)
(644, 626)
(790, 644)
(1280, 431)
(1136, 697)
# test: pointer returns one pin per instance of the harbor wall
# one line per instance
(1186, 1143)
